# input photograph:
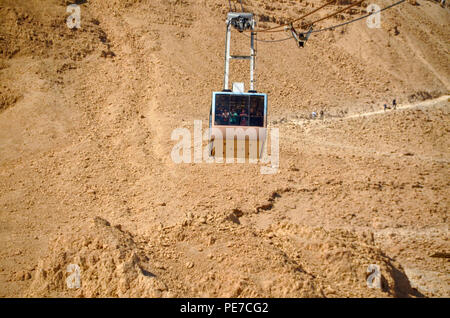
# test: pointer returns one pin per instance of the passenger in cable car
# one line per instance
(219, 120)
(226, 117)
(234, 118)
(244, 117)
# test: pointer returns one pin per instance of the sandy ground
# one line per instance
(86, 176)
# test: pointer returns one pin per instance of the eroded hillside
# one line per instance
(86, 175)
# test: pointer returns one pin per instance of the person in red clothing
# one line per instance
(243, 119)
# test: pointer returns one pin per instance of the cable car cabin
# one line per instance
(238, 123)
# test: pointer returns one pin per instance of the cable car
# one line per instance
(239, 122)
(238, 119)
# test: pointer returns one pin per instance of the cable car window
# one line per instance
(243, 116)
(222, 109)
(257, 111)
(238, 103)
(239, 110)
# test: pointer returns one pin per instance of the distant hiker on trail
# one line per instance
(394, 104)
(321, 114)
(385, 107)
(313, 115)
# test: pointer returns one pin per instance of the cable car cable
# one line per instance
(270, 41)
(309, 24)
(333, 14)
(360, 18)
(337, 25)
(231, 9)
(295, 20)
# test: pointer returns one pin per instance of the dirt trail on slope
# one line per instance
(86, 176)
(427, 103)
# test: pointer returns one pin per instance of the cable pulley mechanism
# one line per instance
(241, 21)
(300, 37)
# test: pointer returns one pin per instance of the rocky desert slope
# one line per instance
(86, 175)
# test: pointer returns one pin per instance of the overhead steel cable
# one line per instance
(333, 14)
(295, 20)
(337, 25)
(357, 19)
(324, 18)
(270, 41)
(231, 9)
